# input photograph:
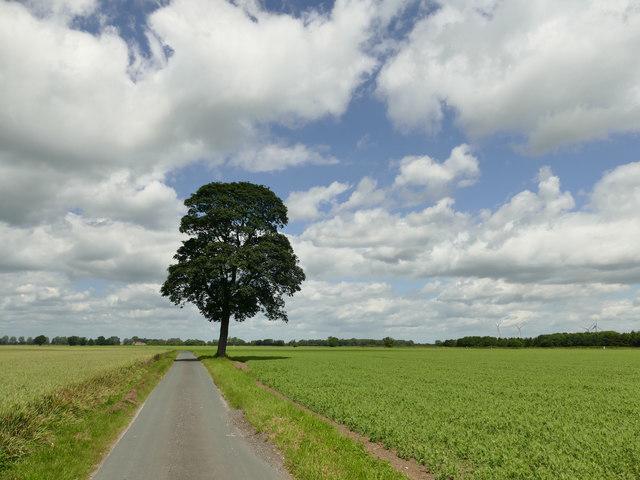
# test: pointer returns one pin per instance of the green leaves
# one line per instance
(233, 212)
(235, 262)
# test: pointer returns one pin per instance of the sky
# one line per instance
(448, 166)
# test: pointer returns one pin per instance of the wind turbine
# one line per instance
(498, 325)
(519, 327)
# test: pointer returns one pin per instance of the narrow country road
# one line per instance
(185, 431)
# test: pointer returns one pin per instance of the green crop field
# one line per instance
(28, 373)
(480, 414)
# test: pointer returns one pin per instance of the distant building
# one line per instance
(138, 343)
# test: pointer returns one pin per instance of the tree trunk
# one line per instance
(224, 335)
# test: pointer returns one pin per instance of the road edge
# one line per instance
(312, 448)
(124, 431)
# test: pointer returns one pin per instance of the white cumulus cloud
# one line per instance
(536, 236)
(460, 169)
(554, 72)
(306, 205)
(277, 156)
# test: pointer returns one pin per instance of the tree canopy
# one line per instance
(235, 262)
(41, 340)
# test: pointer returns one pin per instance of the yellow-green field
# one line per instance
(60, 407)
(30, 372)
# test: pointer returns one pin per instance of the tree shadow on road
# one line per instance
(186, 360)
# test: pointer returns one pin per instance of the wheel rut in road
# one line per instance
(186, 431)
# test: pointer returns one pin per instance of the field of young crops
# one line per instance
(479, 414)
(29, 372)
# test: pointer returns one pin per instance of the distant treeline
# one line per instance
(583, 339)
(328, 342)
(190, 342)
(269, 342)
(72, 340)
(75, 340)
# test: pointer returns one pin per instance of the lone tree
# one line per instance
(235, 262)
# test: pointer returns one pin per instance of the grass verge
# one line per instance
(312, 449)
(65, 434)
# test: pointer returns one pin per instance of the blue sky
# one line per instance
(447, 165)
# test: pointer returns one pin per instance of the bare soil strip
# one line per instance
(408, 467)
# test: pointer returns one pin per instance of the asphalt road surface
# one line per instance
(185, 431)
